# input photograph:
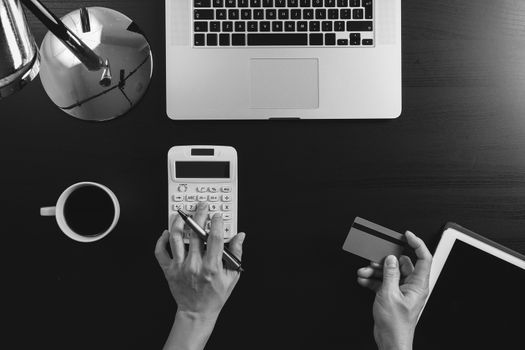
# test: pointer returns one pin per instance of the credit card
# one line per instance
(374, 242)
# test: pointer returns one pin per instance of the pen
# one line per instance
(227, 256)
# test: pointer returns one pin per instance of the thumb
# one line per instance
(390, 274)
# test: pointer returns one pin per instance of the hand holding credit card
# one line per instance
(374, 242)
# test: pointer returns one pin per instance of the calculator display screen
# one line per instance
(202, 170)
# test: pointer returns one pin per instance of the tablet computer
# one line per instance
(477, 295)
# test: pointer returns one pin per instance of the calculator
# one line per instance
(204, 174)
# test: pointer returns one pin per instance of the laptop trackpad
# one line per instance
(284, 82)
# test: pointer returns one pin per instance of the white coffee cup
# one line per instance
(58, 212)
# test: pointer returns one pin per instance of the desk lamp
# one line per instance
(95, 63)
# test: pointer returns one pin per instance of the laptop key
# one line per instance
(368, 42)
(308, 14)
(293, 3)
(342, 3)
(346, 14)
(339, 26)
(314, 26)
(264, 26)
(302, 26)
(246, 14)
(201, 3)
(231, 3)
(329, 3)
(316, 39)
(252, 26)
(277, 26)
(283, 14)
(215, 26)
(242, 3)
(355, 39)
(238, 39)
(326, 26)
(355, 3)
(320, 14)
(224, 39)
(271, 14)
(258, 14)
(277, 39)
(240, 26)
(280, 3)
(198, 39)
(342, 42)
(333, 14)
(233, 14)
(317, 3)
(218, 3)
(220, 14)
(357, 14)
(304, 3)
(200, 26)
(295, 14)
(255, 3)
(359, 26)
(367, 4)
(289, 26)
(203, 14)
(329, 39)
(267, 3)
(227, 26)
(211, 39)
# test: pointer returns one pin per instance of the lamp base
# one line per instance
(77, 90)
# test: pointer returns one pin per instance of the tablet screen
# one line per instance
(478, 302)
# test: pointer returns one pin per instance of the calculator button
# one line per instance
(213, 198)
(202, 189)
(213, 189)
(202, 198)
(182, 188)
(191, 207)
(226, 189)
(177, 197)
(213, 207)
(227, 216)
(227, 230)
(191, 198)
(226, 207)
(226, 198)
(176, 207)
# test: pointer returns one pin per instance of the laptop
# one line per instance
(274, 59)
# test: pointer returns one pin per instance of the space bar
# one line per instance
(277, 39)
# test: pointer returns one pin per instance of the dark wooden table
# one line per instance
(457, 153)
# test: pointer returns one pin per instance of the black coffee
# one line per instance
(89, 211)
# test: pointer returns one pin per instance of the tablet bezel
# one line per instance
(453, 232)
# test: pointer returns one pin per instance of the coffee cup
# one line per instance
(85, 211)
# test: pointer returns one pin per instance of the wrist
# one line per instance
(390, 341)
(196, 319)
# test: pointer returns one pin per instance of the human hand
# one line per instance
(401, 291)
(197, 279)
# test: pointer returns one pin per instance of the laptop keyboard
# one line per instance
(256, 23)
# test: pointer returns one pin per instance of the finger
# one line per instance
(196, 244)
(176, 239)
(235, 245)
(215, 245)
(424, 258)
(370, 272)
(405, 265)
(370, 284)
(391, 274)
(160, 249)
(376, 265)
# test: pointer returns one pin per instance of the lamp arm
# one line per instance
(90, 59)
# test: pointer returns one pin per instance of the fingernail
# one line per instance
(242, 237)
(391, 261)
(165, 231)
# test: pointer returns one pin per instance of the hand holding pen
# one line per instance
(198, 281)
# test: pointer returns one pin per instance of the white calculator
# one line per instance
(204, 174)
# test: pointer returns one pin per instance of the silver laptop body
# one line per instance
(253, 68)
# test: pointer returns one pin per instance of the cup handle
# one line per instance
(48, 211)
